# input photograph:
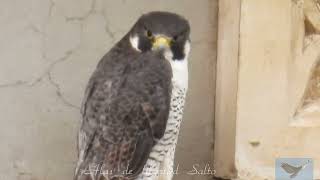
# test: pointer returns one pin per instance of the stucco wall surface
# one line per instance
(49, 48)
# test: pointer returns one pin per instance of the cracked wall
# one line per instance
(49, 48)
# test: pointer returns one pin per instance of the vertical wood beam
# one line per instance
(226, 88)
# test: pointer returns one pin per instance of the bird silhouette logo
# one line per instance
(292, 170)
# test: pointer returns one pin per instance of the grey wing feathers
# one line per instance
(288, 168)
(125, 111)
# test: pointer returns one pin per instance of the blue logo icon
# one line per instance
(294, 169)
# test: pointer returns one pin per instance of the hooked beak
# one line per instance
(161, 42)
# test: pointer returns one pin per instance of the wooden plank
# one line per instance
(226, 88)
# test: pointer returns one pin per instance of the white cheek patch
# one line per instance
(187, 47)
(134, 41)
(180, 68)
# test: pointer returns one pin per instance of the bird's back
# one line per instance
(125, 110)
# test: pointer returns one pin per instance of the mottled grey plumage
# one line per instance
(126, 106)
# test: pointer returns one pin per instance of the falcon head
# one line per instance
(163, 32)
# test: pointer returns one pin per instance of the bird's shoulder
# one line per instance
(126, 104)
(127, 84)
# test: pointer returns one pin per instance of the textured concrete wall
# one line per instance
(48, 49)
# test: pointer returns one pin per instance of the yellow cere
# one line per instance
(161, 42)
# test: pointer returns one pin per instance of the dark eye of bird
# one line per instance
(175, 38)
(149, 34)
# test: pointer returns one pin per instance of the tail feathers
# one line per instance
(115, 161)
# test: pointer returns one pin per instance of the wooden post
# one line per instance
(226, 88)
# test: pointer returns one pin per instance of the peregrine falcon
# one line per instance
(133, 103)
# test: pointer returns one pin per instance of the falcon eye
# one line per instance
(178, 37)
(149, 34)
(175, 38)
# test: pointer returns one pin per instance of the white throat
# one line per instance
(180, 68)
